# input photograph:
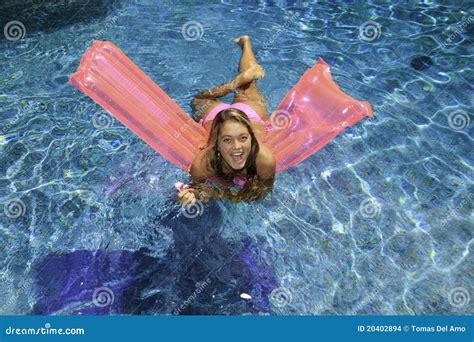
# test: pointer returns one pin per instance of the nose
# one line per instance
(237, 145)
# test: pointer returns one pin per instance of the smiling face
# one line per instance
(234, 144)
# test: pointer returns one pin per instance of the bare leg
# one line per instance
(244, 85)
(248, 93)
(204, 101)
(247, 59)
(217, 91)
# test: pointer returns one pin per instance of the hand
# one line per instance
(186, 197)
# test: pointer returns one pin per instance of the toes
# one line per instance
(241, 40)
(238, 41)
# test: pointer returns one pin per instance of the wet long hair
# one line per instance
(254, 189)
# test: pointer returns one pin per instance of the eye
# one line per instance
(244, 138)
(226, 140)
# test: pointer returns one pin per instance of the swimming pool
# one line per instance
(377, 222)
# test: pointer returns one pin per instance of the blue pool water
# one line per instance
(379, 221)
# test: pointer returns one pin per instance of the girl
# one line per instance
(234, 153)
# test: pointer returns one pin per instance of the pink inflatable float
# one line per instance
(313, 112)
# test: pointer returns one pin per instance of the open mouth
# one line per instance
(237, 157)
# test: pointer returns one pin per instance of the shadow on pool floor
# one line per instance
(202, 274)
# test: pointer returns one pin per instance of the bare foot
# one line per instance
(254, 72)
(241, 40)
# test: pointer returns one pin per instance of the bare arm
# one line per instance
(198, 169)
(266, 163)
(266, 166)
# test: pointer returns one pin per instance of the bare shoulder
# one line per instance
(266, 162)
(199, 166)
